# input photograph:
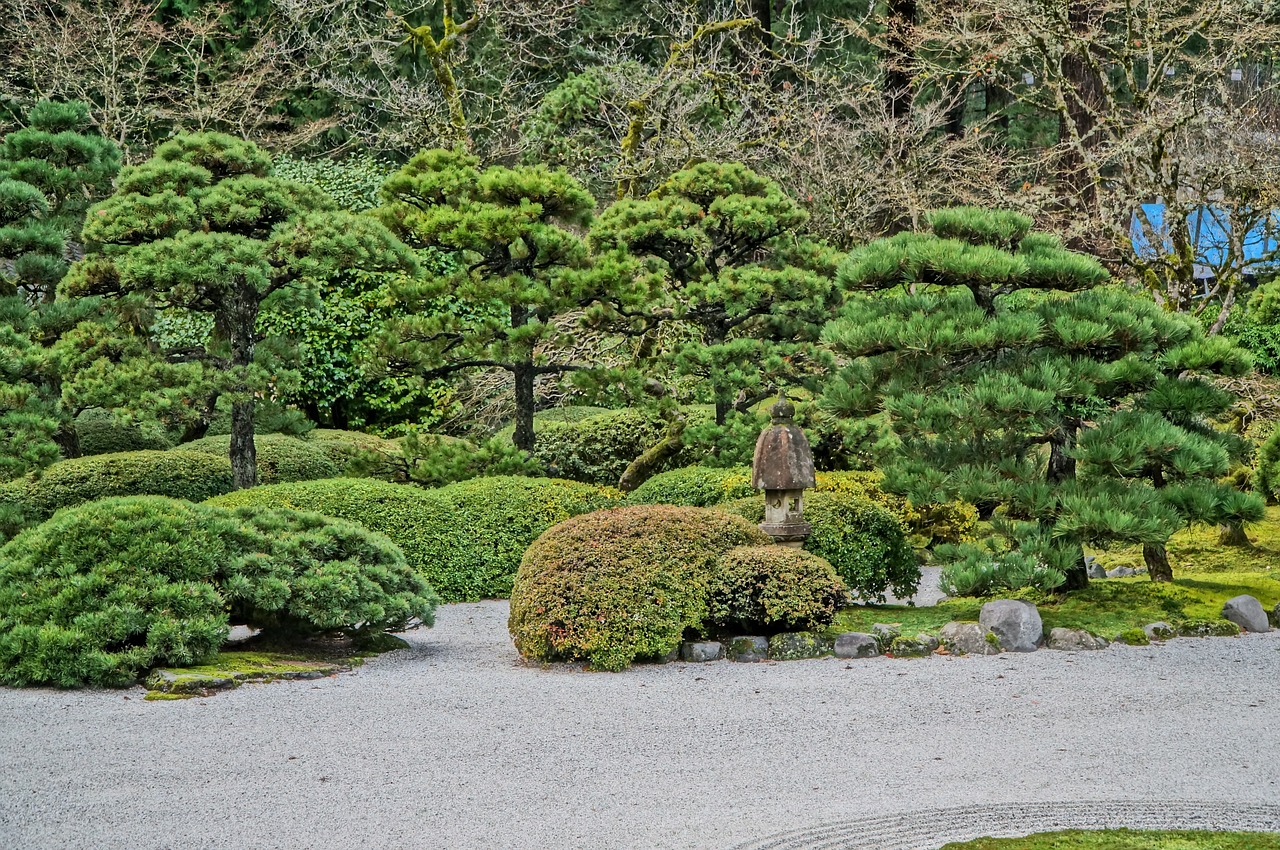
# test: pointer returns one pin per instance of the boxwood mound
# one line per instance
(465, 539)
(616, 585)
(281, 458)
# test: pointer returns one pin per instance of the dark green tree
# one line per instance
(203, 226)
(718, 249)
(50, 171)
(1018, 380)
(515, 234)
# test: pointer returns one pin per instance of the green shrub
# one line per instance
(597, 449)
(465, 539)
(769, 589)
(101, 433)
(616, 585)
(1266, 475)
(975, 571)
(175, 473)
(104, 591)
(434, 460)
(281, 458)
(355, 452)
(694, 486)
(863, 541)
(490, 522)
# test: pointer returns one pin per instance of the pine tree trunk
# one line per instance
(524, 436)
(1084, 97)
(1232, 534)
(1078, 575)
(651, 459)
(900, 59)
(1062, 467)
(236, 323)
(67, 439)
(1156, 558)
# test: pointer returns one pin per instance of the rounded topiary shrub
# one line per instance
(100, 433)
(695, 486)
(355, 452)
(466, 539)
(616, 585)
(770, 589)
(491, 522)
(863, 541)
(178, 474)
(104, 591)
(409, 516)
(281, 458)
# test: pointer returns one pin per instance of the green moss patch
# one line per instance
(1126, 839)
(235, 667)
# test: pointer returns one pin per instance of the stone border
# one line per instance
(931, 829)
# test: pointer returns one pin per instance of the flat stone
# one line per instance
(928, 640)
(1159, 631)
(1016, 623)
(969, 639)
(792, 646)
(1247, 613)
(1208, 628)
(1121, 572)
(905, 647)
(699, 651)
(1075, 640)
(748, 648)
(856, 645)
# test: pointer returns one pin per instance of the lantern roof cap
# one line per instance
(783, 459)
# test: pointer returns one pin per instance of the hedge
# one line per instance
(106, 590)
(281, 458)
(465, 539)
(694, 486)
(616, 585)
(353, 451)
(598, 448)
(175, 473)
(100, 433)
(863, 541)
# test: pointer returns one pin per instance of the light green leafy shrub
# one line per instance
(616, 585)
(863, 541)
(769, 589)
(694, 486)
(490, 522)
(465, 539)
(106, 590)
(358, 452)
(597, 449)
(175, 473)
(281, 458)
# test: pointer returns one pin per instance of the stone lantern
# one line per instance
(783, 468)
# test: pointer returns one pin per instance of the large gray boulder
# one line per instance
(856, 645)
(699, 652)
(748, 648)
(1247, 613)
(969, 639)
(1075, 640)
(1016, 623)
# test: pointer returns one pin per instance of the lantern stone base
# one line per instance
(791, 534)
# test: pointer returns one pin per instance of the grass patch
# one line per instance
(1197, 550)
(1126, 839)
(1110, 607)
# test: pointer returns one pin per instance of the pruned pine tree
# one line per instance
(516, 236)
(50, 171)
(718, 249)
(203, 226)
(1071, 412)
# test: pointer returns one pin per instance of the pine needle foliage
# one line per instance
(1069, 410)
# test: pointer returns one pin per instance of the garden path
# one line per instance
(454, 743)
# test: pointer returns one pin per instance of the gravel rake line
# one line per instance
(930, 830)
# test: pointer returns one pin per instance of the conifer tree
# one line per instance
(50, 171)
(203, 226)
(1070, 411)
(718, 249)
(515, 235)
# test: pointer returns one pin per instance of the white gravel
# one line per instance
(456, 744)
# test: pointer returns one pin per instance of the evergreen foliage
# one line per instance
(281, 458)
(1016, 381)
(770, 589)
(717, 247)
(203, 226)
(513, 232)
(614, 586)
(105, 591)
